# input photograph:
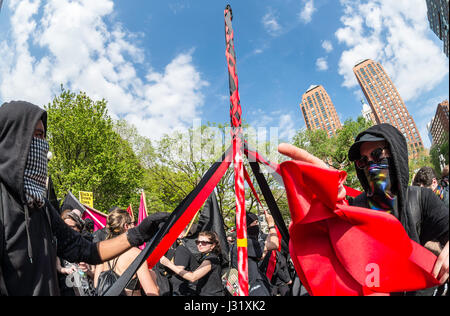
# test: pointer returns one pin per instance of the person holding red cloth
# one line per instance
(380, 155)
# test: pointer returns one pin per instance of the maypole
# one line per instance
(236, 134)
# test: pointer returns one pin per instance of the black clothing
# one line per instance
(31, 246)
(281, 277)
(430, 218)
(421, 212)
(100, 235)
(257, 280)
(424, 223)
(211, 283)
(183, 257)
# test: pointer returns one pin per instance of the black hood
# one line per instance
(399, 154)
(18, 121)
(398, 168)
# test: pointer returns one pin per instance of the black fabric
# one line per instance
(51, 195)
(428, 214)
(100, 235)
(164, 229)
(146, 229)
(272, 205)
(399, 172)
(37, 275)
(257, 280)
(210, 219)
(106, 280)
(183, 257)
(211, 283)
(18, 120)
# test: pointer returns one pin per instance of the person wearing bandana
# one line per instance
(32, 234)
(257, 249)
(380, 155)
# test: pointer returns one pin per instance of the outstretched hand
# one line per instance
(299, 154)
(441, 267)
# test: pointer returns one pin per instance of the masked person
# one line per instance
(32, 234)
(380, 154)
(257, 249)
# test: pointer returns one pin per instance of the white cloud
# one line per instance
(83, 52)
(321, 64)
(327, 46)
(270, 22)
(306, 14)
(275, 124)
(393, 33)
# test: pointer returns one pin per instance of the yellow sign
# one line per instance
(87, 198)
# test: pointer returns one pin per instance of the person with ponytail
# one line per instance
(208, 274)
(118, 223)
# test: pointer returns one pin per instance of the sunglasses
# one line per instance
(203, 242)
(375, 155)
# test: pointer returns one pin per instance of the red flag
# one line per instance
(343, 250)
(98, 218)
(130, 211)
(142, 213)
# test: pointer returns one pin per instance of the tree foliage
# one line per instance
(334, 150)
(88, 154)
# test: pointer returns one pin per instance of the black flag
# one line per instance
(71, 202)
(210, 220)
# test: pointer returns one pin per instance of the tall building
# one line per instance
(318, 111)
(438, 127)
(386, 103)
(438, 16)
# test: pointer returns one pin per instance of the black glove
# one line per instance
(146, 229)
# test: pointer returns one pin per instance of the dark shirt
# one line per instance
(258, 283)
(211, 283)
(183, 257)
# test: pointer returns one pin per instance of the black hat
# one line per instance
(354, 152)
(251, 218)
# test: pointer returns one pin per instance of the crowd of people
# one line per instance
(44, 252)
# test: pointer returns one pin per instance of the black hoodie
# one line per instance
(433, 222)
(30, 247)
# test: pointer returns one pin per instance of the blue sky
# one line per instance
(161, 64)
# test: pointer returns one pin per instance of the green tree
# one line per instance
(440, 154)
(88, 154)
(334, 150)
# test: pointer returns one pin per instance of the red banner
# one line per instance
(338, 249)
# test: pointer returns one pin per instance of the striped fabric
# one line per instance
(35, 175)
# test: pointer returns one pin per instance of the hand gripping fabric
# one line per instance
(342, 250)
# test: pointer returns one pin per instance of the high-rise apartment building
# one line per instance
(386, 103)
(438, 127)
(318, 110)
(438, 16)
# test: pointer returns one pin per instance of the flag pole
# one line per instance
(236, 133)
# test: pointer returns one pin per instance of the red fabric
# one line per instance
(236, 133)
(188, 214)
(130, 211)
(338, 249)
(142, 214)
(273, 258)
(98, 218)
(352, 192)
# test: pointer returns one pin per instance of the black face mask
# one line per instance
(253, 231)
